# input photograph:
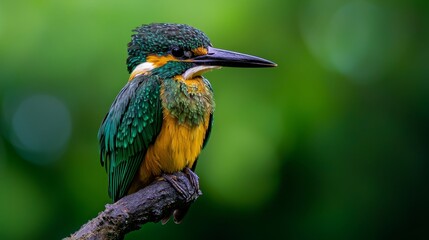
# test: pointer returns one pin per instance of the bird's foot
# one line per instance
(186, 193)
(194, 180)
(173, 181)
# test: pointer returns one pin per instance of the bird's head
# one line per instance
(178, 49)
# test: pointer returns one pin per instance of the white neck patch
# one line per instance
(142, 68)
(197, 71)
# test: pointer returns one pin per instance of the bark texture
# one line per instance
(151, 204)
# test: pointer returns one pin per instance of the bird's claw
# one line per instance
(194, 180)
(178, 214)
(173, 181)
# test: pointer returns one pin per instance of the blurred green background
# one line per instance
(331, 144)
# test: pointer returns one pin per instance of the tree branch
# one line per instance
(150, 204)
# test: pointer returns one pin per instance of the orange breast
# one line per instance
(178, 144)
(176, 147)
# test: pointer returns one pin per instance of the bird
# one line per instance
(162, 118)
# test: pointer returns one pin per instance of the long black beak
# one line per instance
(220, 57)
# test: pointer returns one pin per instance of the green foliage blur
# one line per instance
(331, 144)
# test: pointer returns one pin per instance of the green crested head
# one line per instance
(164, 39)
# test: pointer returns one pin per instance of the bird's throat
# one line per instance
(188, 101)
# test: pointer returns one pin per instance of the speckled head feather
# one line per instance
(160, 38)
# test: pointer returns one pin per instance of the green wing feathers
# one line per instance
(131, 125)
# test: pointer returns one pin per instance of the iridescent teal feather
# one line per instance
(132, 124)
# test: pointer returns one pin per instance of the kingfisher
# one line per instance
(162, 118)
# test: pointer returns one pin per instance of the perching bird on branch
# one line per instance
(162, 118)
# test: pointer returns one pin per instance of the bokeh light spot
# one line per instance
(41, 127)
(354, 38)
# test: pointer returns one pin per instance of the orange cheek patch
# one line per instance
(200, 51)
(159, 61)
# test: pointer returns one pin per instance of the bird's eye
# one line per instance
(177, 52)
